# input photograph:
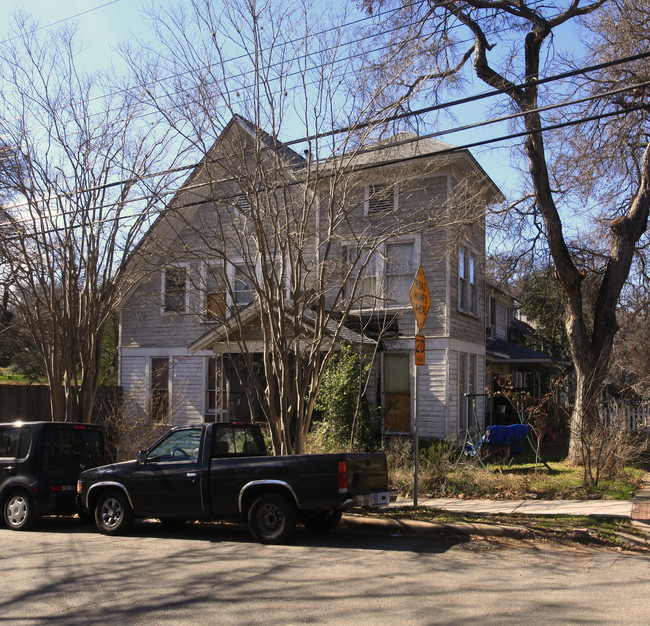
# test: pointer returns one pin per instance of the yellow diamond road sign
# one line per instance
(420, 298)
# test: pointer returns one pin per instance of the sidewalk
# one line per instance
(637, 509)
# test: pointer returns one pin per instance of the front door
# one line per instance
(169, 483)
(397, 393)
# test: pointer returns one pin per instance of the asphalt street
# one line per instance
(66, 573)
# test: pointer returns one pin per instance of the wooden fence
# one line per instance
(31, 403)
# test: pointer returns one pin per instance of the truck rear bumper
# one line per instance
(374, 499)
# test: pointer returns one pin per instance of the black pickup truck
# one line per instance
(221, 471)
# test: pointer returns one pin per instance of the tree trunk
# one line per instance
(584, 417)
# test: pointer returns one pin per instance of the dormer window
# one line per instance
(380, 199)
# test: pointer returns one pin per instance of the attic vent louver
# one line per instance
(381, 198)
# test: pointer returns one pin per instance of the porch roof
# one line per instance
(230, 330)
(509, 353)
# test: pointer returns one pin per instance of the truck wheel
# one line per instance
(19, 511)
(323, 522)
(113, 515)
(271, 518)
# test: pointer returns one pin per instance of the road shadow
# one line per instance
(371, 536)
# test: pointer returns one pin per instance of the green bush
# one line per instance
(346, 422)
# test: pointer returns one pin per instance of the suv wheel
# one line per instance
(19, 511)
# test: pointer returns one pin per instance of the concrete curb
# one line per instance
(420, 528)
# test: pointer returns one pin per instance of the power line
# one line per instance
(223, 63)
(418, 112)
(437, 153)
(61, 21)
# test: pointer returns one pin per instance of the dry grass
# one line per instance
(441, 473)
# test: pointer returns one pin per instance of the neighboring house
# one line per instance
(513, 356)
(177, 350)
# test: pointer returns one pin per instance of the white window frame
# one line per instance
(231, 269)
(185, 268)
(394, 187)
(381, 277)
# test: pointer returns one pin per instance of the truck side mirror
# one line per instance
(142, 457)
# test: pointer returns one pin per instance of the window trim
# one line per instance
(231, 268)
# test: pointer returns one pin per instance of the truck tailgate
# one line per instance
(366, 473)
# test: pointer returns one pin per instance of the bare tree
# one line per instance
(82, 190)
(525, 54)
(280, 226)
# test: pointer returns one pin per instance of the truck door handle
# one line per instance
(192, 474)
(10, 470)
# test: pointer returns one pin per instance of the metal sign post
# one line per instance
(421, 301)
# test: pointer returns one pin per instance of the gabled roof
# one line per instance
(163, 225)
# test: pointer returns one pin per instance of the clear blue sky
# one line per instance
(103, 23)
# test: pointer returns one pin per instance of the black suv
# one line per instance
(39, 466)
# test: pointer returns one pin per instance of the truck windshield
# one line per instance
(179, 446)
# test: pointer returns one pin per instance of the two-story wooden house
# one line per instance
(362, 224)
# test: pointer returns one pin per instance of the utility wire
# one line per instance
(368, 166)
(408, 114)
(61, 21)
(243, 56)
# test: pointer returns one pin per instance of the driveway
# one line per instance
(66, 573)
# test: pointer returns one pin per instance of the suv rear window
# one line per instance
(15, 442)
(9, 440)
(66, 450)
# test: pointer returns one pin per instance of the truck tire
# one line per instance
(113, 514)
(271, 518)
(323, 521)
(19, 511)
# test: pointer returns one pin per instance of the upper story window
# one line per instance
(400, 268)
(175, 291)
(380, 199)
(363, 274)
(242, 285)
(467, 285)
(384, 276)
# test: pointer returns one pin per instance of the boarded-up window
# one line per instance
(216, 305)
